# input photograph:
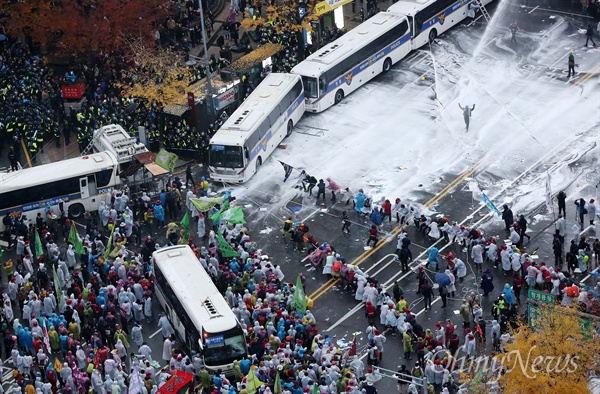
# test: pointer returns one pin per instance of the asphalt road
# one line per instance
(338, 314)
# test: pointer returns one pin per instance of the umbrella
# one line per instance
(442, 279)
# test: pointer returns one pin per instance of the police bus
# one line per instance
(430, 18)
(341, 67)
(82, 183)
(256, 128)
(372, 47)
(198, 312)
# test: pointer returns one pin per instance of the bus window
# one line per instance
(322, 85)
(310, 87)
(224, 347)
(226, 156)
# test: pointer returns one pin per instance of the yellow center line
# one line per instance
(586, 76)
(396, 230)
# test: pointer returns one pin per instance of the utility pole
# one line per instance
(210, 105)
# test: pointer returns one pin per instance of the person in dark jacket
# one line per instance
(508, 217)
(589, 36)
(321, 189)
(523, 228)
(561, 197)
(487, 282)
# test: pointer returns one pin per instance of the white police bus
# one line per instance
(82, 183)
(371, 48)
(198, 312)
(256, 128)
(341, 67)
(430, 18)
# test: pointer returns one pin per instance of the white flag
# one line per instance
(548, 192)
(135, 381)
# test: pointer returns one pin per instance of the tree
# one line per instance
(554, 357)
(82, 28)
(284, 16)
(159, 75)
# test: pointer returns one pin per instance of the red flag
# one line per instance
(478, 329)
(352, 351)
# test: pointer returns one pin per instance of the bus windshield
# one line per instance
(226, 156)
(224, 348)
(310, 87)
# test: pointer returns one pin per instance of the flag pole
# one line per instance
(549, 195)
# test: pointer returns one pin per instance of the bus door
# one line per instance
(411, 26)
(84, 187)
(92, 187)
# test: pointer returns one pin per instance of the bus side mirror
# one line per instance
(246, 153)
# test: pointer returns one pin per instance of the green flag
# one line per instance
(277, 386)
(252, 382)
(39, 250)
(204, 204)
(299, 302)
(234, 215)
(57, 286)
(219, 213)
(109, 244)
(315, 389)
(185, 224)
(166, 160)
(226, 249)
(74, 239)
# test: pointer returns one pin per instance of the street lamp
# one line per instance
(209, 100)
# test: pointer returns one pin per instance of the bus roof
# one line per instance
(255, 108)
(332, 53)
(194, 289)
(79, 166)
(409, 7)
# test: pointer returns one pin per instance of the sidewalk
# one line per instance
(350, 22)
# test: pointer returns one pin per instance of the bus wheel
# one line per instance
(258, 163)
(339, 96)
(387, 65)
(432, 35)
(290, 127)
(76, 211)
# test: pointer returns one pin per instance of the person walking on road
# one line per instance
(508, 217)
(346, 223)
(426, 292)
(571, 64)
(581, 210)
(589, 36)
(523, 229)
(467, 114)
(513, 32)
(561, 197)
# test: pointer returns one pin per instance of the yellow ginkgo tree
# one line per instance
(284, 16)
(557, 355)
(159, 75)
